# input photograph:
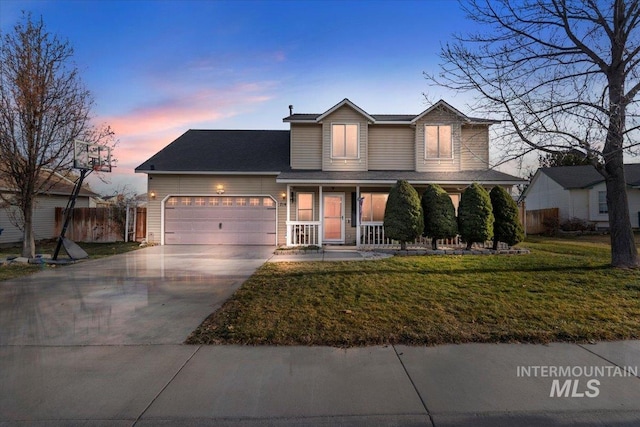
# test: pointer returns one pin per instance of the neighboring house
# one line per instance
(325, 181)
(580, 192)
(44, 211)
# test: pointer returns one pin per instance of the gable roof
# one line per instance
(58, 186)
(342, 104)
(384, 118)
(586, 176)
(220, 151)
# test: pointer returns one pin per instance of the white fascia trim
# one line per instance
(314, 121)
(390, 181)
(383, 122)
(156, 172)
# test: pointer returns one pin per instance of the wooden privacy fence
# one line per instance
(536, 220)
(100, 224)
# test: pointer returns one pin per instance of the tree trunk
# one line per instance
(28, 241)
(403, 245)
(623, 247)
(434, 244)
(469, 245)
(495, 244)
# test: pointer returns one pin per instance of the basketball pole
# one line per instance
(69, 209)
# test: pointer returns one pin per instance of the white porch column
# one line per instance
(288, 227)
(357, 216)
(321, 219)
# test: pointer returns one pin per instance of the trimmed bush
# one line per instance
(506, 227)
(475, 215)
(439, 215)
(403, 219)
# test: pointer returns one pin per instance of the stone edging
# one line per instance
(410, 252)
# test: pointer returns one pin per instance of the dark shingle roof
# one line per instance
(223, 151)
(586, 176)
(462, 177)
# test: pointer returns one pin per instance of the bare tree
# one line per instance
(44, 106)
(563, 74)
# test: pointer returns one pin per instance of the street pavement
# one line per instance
(100, 343)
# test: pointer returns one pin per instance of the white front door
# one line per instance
(333, 218)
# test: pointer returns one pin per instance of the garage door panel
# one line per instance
(221, 220)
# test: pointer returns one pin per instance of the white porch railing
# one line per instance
(372, 236)
(303, 233)
(308, 233)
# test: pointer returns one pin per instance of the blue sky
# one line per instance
(159, 68)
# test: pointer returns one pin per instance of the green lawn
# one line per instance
(95, 250)
(563, 291)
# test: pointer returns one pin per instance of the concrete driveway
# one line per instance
(156, 295)
(99, 343)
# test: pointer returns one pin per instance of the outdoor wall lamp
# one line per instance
(152, 195)
(220, 189)
(284, 196)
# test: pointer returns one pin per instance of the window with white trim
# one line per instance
(344, 141)
(602, 202)
(304, 206)
(373, 206)
(438, 143)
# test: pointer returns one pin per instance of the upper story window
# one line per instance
(437, 142)
(602, 202)
(344, 141)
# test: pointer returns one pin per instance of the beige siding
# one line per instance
(306, 146)
(344, 114)
(164, 185)
(44, 217)
(474, 148)
(391, 147)
(439, 116)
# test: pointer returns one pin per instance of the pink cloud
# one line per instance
(145, 130)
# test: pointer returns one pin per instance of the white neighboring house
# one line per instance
(44, 218)
(580, 192)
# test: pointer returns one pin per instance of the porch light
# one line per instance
(284, 196)
(152, 195)
(220, 189)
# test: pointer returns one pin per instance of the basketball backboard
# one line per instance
(89, 156)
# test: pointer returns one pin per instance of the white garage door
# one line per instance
(220, 220)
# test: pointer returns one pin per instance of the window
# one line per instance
(214, 201)
(373, 206)
(200, 201)
(241, 201)
(344, 141)
(602, 202)
(254, 201)
(305, 206)
(437, 142)
(186, 201)
(227, 201)
(267, 201)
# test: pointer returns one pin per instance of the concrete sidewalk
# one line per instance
(330, 255)
(99, 343)
(471, 384)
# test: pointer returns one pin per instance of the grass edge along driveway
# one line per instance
(563, 291)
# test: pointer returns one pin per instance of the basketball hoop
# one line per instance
(91, 157)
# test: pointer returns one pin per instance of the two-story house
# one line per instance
(325, 181)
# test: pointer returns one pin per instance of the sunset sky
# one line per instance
(159, 68)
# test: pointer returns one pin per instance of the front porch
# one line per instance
(347, 216)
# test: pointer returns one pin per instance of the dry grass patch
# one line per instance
(563, 291)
